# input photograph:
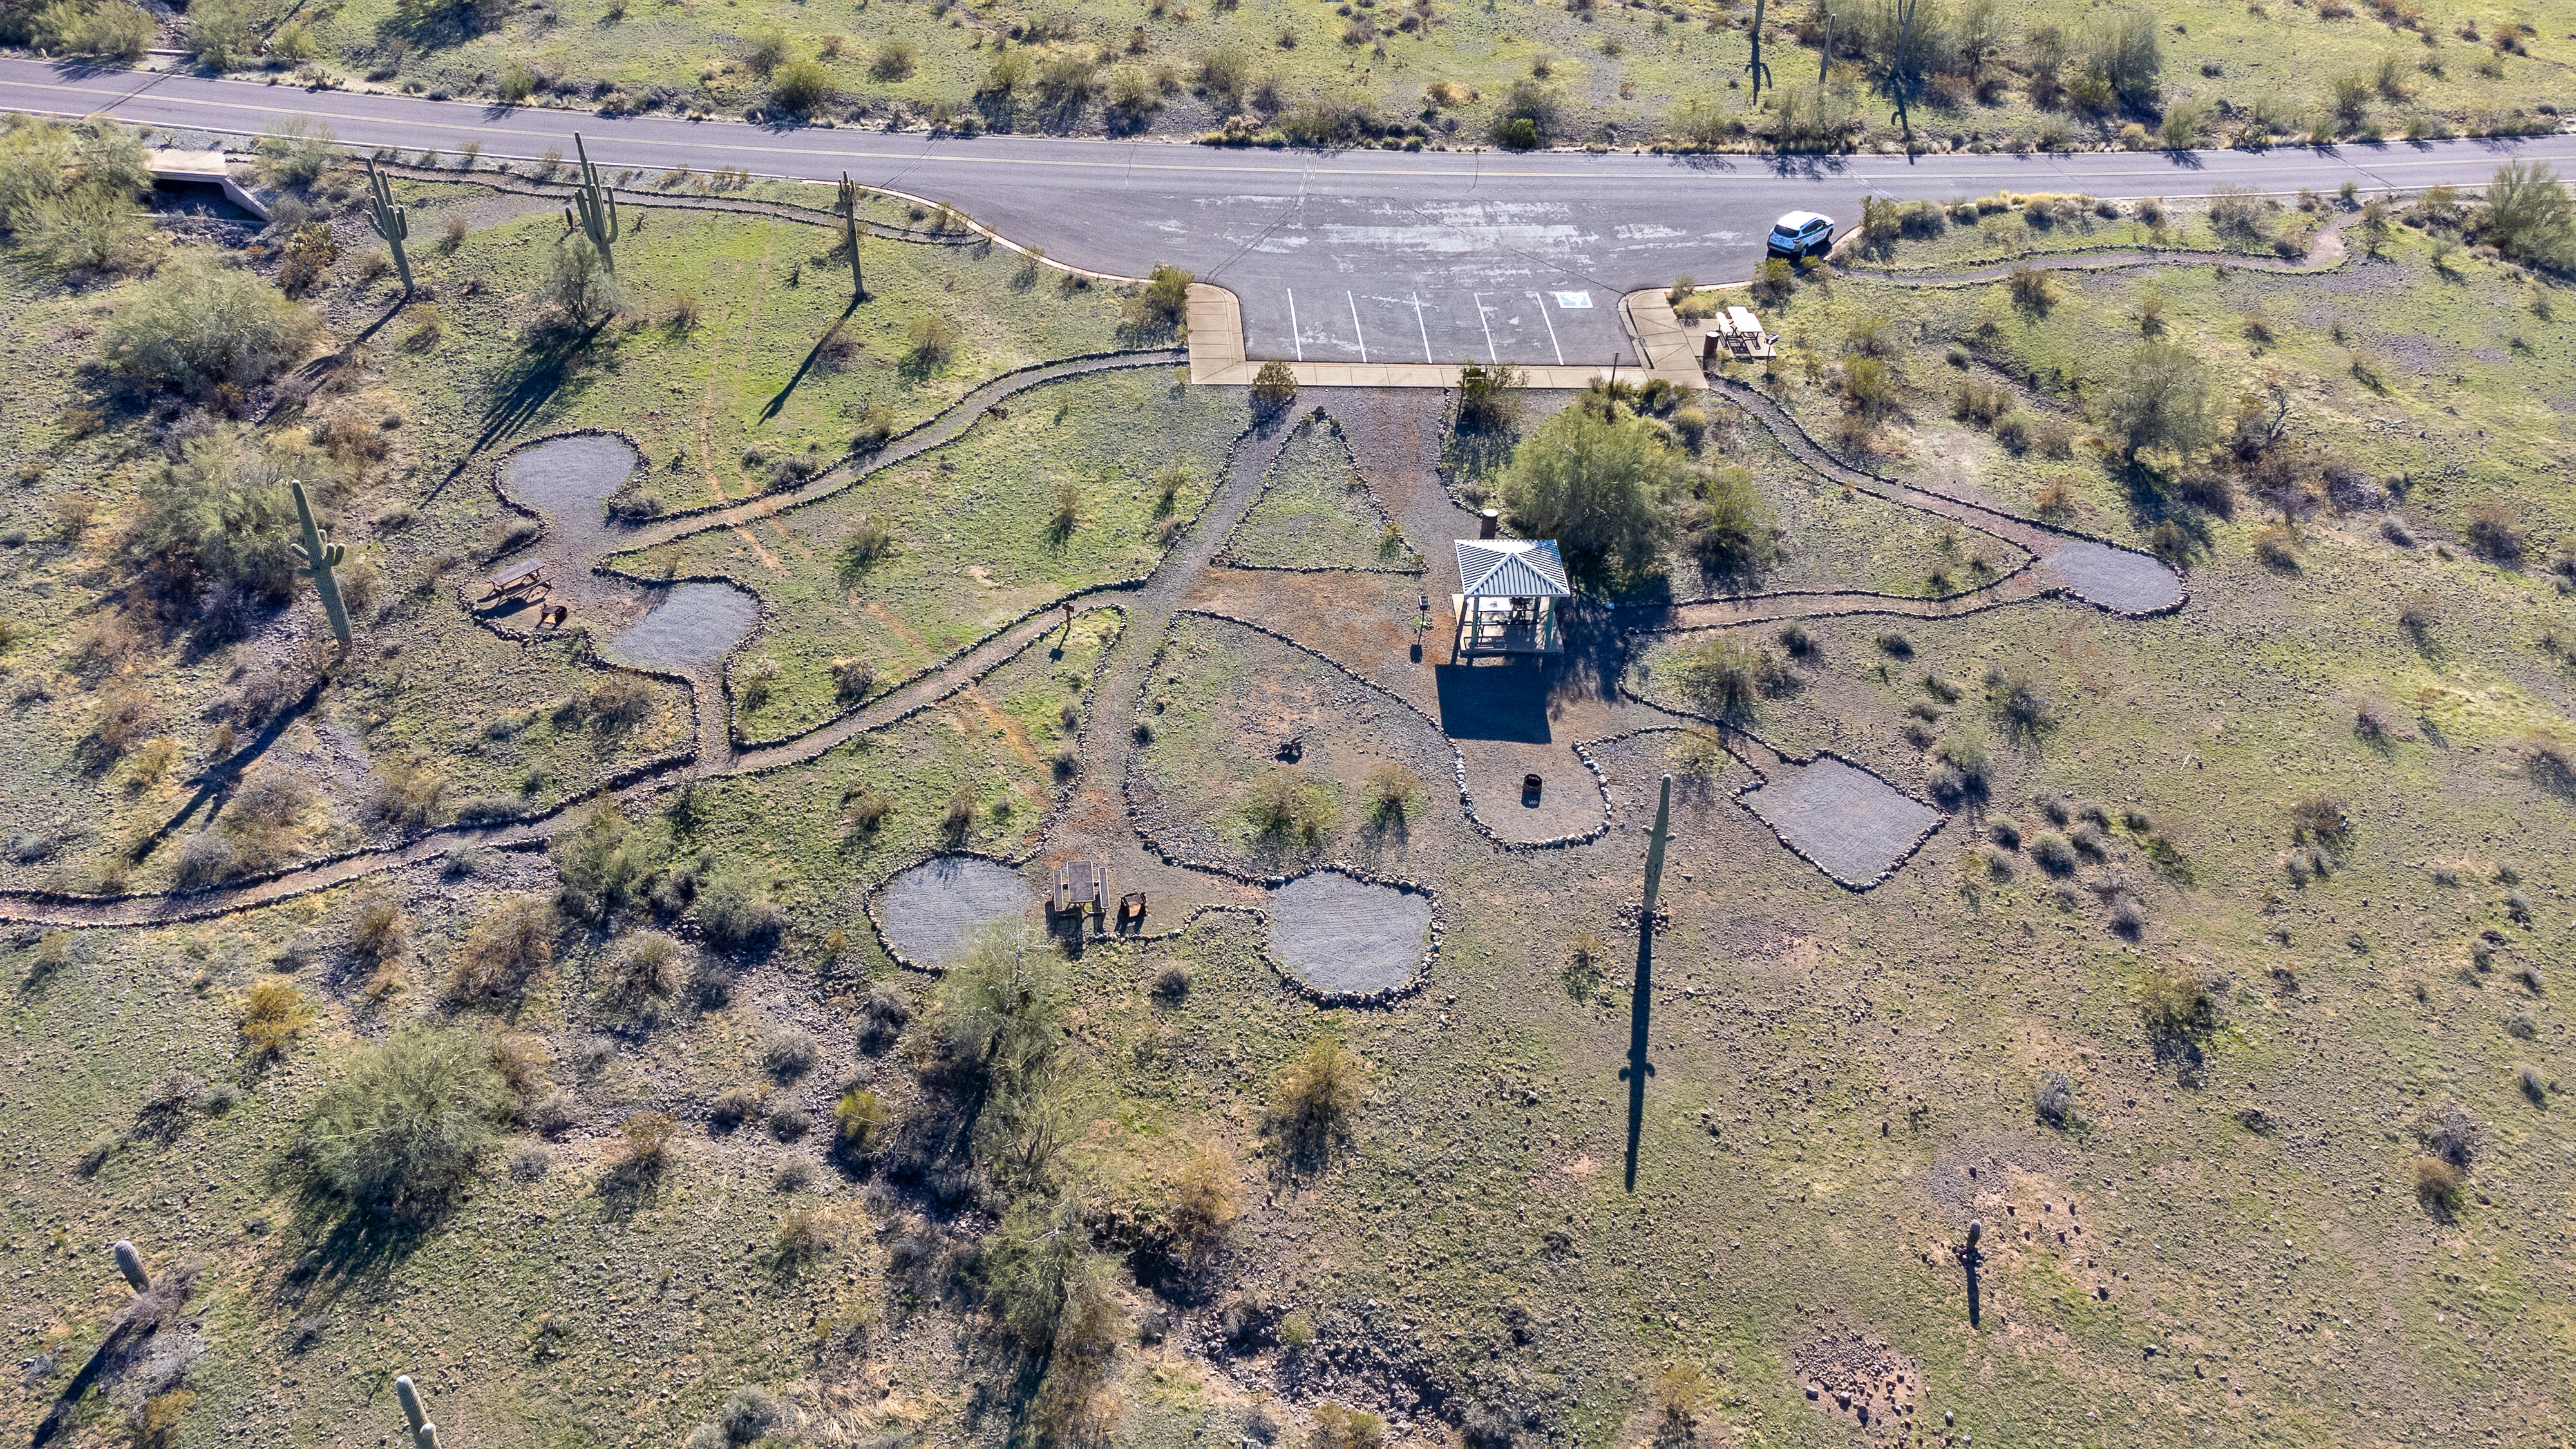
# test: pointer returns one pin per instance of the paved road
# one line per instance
(1378, 256)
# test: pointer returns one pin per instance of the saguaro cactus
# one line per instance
(424, 1434)
(848, 208)
(320, 556)
(1662, 836)
(597, 206)
(130, 1263)
(390, 222)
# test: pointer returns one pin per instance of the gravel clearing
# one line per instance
(692, 629)
(558, 476)
(1849, 821)
(2116, 579)
(1338, 934)
(933, 910)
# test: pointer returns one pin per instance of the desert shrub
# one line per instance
(1282, 804)
(510, 943)
(1682, 1393)
(1594, 479)
(857, 1117)
(2033, 289)
(576, 291)
(2055, 1100)
(2052, 853)
(1041, 1278)
(852, 679)
(273, 1015)
(1161, 305)
(1961, 771)
(407, 1124)
(805, 86)
(1731, 528)
(789, 1122)
(1201, 1209)
(2236, 211)
(644, 972)
(932, 343)
(2176, 1003)
(2527, 216)
(1274, 388)
(220, 514)
(1392, 792)
(1338, 1427)
(198, 325)
(644, 1140)
(1488, 398)
(2024, 704)
(2451, 1134)
(2159, 398)
(2277, 547)
(1726, 678)
(1002, 1008)
(787, 1053)
(2529, 1081)
(2439, 1184)
(736, 1105)
(378, 931)
(294, 152)
(735, 911)
(1315, 1097)
(2494, 533)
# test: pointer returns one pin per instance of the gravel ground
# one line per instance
(931, 911)
(567, 472)
(1850, 821)
(1338, 934)
(692, 629)
(2132, 583)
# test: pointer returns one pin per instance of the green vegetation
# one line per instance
(1032, 504)
(407, 1124)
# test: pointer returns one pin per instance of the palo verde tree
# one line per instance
(597, 206)
(389, 221)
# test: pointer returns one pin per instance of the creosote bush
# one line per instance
(1315, 1098)
(510, 943)
(274, 1013)
(1286, 806)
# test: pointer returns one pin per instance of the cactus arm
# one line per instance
(1759, 71)
(424, 1434)
(597, 205)
(130, 1263)
(319, 558)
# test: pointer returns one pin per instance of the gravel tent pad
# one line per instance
(1338, 934)
(2116, 579)
(933, 910)
(1850, 822)
(692, 629)
(567, 472)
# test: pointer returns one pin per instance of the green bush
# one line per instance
(2158, 399)
(407, 1125)
(735, 911)
(1594, 479)
(1726, 678)
(103, 29)
(1731, 529)
(801, 86)
(578, 288)
(1283, 805)
(221, 515)
(1159, 309)
(294, 152)
(198, 326)
(1315, 1097)
(1002, 1008)
(2528, 217)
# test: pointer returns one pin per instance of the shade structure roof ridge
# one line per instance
(1519, 568)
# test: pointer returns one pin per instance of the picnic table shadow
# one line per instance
(1494, 700)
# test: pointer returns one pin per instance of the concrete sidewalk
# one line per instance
(1216, 352)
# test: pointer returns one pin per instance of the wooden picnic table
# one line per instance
(528, 573)
(1081, 887)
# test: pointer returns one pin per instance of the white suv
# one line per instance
(1801, 234)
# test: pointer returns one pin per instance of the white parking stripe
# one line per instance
(1551, 327)
(1423, 326)
(1489, 329)
(1355, 324)
(1293, 335)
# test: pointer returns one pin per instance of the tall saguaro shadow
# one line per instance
(1640, 1013)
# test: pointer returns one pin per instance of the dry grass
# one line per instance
(511, 943)
(273, 1015)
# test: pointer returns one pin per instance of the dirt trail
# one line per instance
(1582, 695)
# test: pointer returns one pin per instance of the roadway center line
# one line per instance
(1479, 299)
(1551, 327)
(1355, 324)
(1418, 322)
(1293, 337)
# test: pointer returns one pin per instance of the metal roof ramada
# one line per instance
(1513, 568)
